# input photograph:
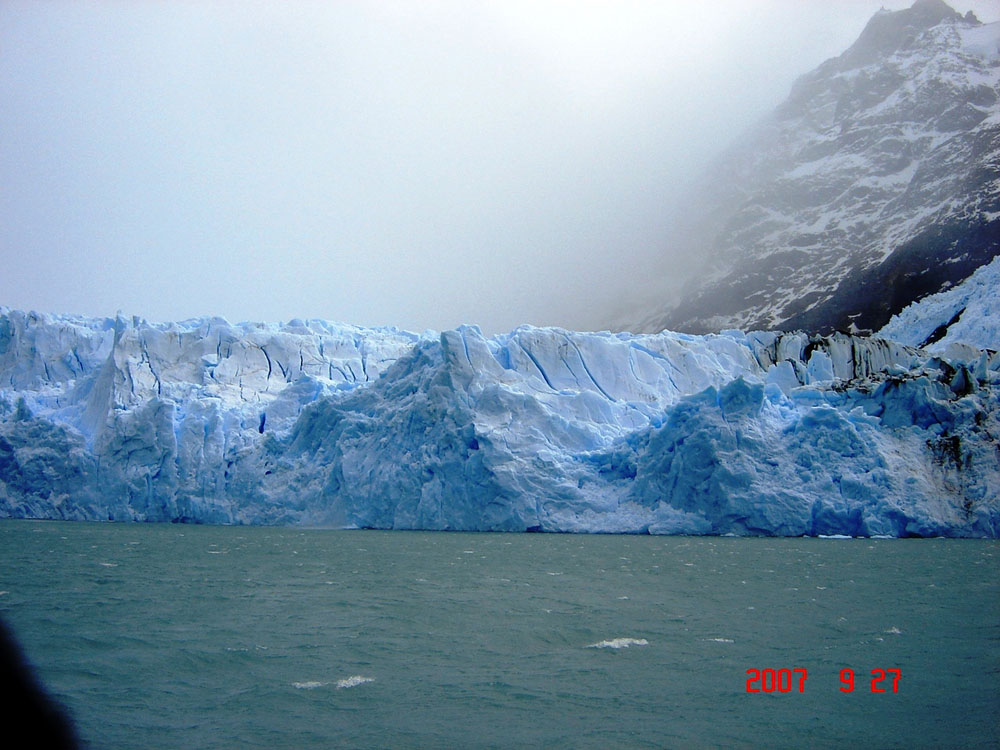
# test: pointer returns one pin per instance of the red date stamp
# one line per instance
(787, 680)
(775, 679)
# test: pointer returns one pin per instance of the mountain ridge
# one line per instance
(875, 183)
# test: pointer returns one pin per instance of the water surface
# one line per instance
(165, 636)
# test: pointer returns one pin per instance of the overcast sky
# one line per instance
(419, 164)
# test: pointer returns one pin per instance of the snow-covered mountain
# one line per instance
(876, 183)
(538, 429)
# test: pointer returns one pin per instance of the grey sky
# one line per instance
(419, 164)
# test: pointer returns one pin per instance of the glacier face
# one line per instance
(537, 429)
(121, 419)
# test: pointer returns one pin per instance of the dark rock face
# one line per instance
(875, 183)
(868, 297)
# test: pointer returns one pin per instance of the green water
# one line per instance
(161, 636)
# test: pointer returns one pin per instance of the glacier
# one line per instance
(538, 429)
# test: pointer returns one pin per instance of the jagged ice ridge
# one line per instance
(538, 429)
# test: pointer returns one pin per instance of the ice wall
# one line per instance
(538, 429)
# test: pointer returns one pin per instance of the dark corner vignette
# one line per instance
(31, 717)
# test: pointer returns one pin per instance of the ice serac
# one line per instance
(875, 184)
(538, 429)
(123, 419)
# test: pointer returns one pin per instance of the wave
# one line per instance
(620, 643)
(353, 681)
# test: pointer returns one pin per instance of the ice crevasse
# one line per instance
(310, 422)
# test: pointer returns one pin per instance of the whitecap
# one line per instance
(353, 681)
(310, 685)
(721, 640)
(620, 643)
(894, 630)
(108, 565)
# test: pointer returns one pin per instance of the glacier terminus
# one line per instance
(539, 429)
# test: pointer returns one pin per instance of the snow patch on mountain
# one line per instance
(983, 41)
